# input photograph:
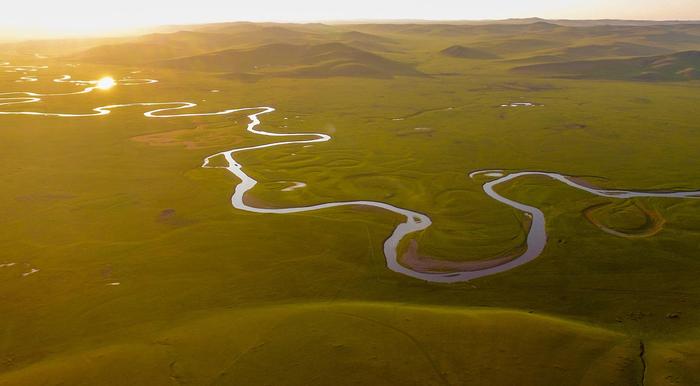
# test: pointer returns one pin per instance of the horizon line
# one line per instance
(151, 28)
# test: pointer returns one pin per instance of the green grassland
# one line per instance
(212, 295)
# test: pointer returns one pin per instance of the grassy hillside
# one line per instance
(55, 47)
(462, 52)
(535, 42)
(594, 51)
(154, 47)
(674, 67)
(612, 50)
(321, 60)
(349, 344)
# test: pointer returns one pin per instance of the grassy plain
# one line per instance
(211, 295)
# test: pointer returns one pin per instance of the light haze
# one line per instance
(75, 17)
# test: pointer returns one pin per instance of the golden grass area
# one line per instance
(199, 137)
(123, 262)
(351, 343)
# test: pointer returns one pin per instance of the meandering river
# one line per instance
(413, 221)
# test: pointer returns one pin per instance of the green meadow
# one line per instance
(148, 276)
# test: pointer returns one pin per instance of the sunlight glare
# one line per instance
(106, 83)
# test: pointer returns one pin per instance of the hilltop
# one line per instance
(674, 67)
(317, 60)
(463, 52)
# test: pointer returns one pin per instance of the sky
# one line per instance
(76, 17)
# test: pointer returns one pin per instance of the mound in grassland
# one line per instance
(352, 343)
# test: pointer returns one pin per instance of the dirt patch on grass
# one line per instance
(569, 126)
(257, 202)
(423, 131)
(412, 259)
(199, 137)
(170, 216)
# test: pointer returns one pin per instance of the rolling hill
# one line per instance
(202, 47)
(674, 67)
(56, 47)
(290, 60)
(463, 52)
(365, 41)
(351, 344)
(612, 50)
(154, 47)
(616, 50)
(518, 45)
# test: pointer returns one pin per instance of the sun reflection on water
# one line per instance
(106, 83)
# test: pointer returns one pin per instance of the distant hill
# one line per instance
(612, 50)
(532, 20)
(463, 52)
(518, 45)
(153, 47)
(620, 22)
(365, 41)
(55, 47)
(127, 53)
(456, 30)
(146, 49)
(315, 60)
(244, 34)
(673, 67)
(538, 37)
(595, 51)
(251, 50)
(676, 37)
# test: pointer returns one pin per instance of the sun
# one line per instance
(106, 83)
